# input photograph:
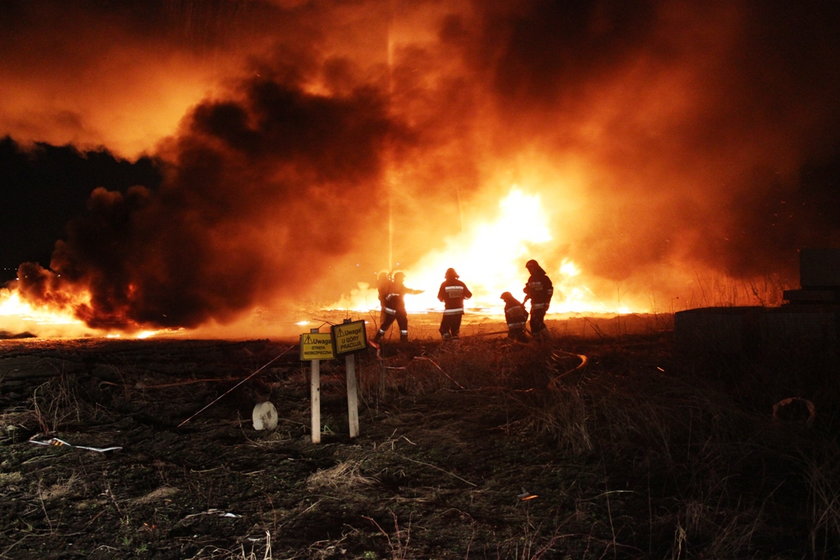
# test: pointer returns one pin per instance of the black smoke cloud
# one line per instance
(256, 191)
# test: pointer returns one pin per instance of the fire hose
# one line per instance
(557, 355)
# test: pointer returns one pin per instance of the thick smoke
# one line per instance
(667, 140)
(257, 193)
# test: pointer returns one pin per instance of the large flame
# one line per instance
(490, 258)
(21, 317)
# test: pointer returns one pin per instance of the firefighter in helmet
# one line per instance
(539, 290)
(452, 293)
(395, 308)
(515, 316)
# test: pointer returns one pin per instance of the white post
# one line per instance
(315, 394)
(352, 396)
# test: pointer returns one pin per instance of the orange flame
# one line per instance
(18, 316)
(490, 258)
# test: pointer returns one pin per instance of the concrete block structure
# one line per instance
(808, 320)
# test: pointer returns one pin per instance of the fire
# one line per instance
(490, 257)
(18, 316)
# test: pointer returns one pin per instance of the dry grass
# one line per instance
(715, 472)
(55, 404)
(345, 476)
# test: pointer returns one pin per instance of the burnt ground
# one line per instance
(475, 449)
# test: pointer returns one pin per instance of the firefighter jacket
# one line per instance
(515, 315)
(452, 293)
(539, 289)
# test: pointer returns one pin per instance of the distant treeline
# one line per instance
(44, 186)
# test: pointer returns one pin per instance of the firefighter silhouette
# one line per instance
(452, 293)
(516, 316)
(539, 290)
(395, 308)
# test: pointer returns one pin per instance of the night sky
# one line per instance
(185, 161)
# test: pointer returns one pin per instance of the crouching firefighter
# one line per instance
(395, 308)
(516, 316)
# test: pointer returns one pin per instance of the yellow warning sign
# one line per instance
(316, 346)
(349, 337)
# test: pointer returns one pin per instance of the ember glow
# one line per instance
(651, 155)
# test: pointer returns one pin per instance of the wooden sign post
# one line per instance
(350, 337)
(352, 395)
(315, 347)
(315, 397)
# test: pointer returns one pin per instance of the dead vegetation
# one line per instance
(606, 447)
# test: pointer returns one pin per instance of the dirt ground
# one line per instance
(461, 454)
